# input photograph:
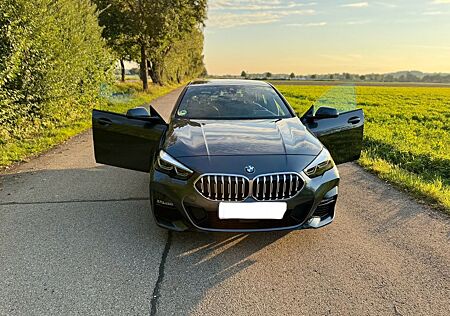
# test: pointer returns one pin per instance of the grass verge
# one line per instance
(124, 96)
(434, 192)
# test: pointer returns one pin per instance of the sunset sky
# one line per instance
(324, 36)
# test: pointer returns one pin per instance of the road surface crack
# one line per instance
(156, 290)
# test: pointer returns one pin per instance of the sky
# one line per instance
(324, 36)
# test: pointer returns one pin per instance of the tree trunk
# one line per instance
(155, 73)
(144, 68)
(122, 70)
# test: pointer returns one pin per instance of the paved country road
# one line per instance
(77, 238)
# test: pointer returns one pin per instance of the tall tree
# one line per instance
(117, 31)
(154, 26)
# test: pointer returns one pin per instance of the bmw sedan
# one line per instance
(234, 157)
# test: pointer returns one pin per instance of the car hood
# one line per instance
(190, 138)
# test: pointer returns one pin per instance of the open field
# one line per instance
(356, 83)
(407, 134)
(122, 97)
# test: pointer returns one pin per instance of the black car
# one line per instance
(234, 157)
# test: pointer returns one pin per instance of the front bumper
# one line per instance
(176, 205)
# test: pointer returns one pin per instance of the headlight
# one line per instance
(322, 163)
(165, 163)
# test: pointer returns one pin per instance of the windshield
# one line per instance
(232, 102)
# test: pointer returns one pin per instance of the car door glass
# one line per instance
(342, 98)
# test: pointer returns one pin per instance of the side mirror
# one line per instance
(141, 113)
(138, 113)
(326, 112)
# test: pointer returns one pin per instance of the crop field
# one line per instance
(406, 136)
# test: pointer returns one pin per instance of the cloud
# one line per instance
(441, 2)
(234, 13)
(435, 13)
(230, 19)
(356, 5)
(386, 4)
(308, 24)
(255, 5)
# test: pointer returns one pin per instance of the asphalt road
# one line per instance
(77, 238)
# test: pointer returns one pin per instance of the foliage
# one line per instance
(122, 97)
(116, 30)
(406, 137)
(157, 27)
(53, 61)
(185, 60)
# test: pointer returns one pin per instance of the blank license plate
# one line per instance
(253, 210)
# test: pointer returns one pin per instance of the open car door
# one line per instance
(341, 133)
(127, 141)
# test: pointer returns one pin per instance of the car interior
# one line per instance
(232, 102)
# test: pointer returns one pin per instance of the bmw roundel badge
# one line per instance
(249, 169)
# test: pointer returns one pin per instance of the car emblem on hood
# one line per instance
(249, 169)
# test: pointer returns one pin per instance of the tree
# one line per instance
(362, 77)
(292, 75)
(268, 74)
(313, 76)
(243, 74)
(154, 27)
(116, 30)
(185, 59)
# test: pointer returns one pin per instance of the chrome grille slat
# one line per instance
(209, 188)
(278, 187)
(261, 188)
(229, 188)
(264, 190)
(271, 187)
(223, 188)
(290, 184)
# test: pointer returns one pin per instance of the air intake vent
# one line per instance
(274, 187)
(223, 187)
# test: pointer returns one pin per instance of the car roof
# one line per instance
(228, 82)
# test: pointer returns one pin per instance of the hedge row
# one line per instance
(53, 62)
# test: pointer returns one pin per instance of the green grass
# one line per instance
(124, 96)
(406, 137)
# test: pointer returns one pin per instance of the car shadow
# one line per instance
(198, 263)
(101, 216)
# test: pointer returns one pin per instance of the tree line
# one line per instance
(401, 76)
(58, 56)
(164, 36)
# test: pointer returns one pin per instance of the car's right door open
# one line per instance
(341, 135)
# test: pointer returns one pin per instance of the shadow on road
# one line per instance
(63, 231)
